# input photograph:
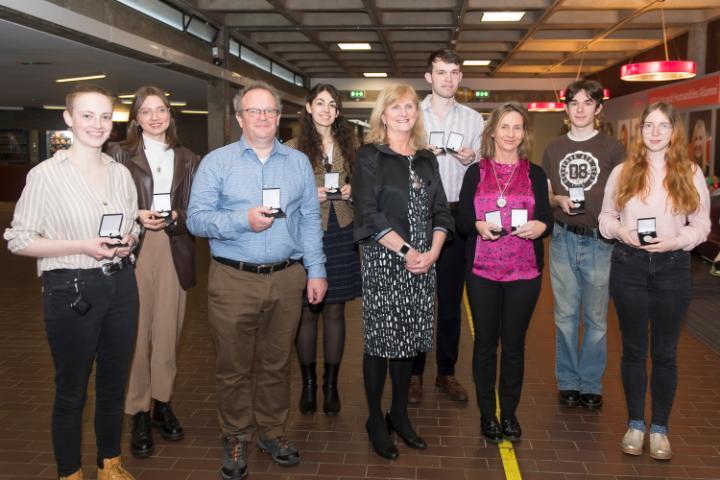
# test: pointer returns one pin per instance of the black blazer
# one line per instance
(381, 191)
(466, 211)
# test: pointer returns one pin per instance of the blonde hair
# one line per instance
(488, 141)
(388, 96)
(680, 169)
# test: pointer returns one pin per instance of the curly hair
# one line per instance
(309, 141)
(679, 167)
(389, 95)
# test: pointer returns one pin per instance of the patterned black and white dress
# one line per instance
(398, 306)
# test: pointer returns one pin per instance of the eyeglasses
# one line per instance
(255, 112)
(663, 128)
(160, 111)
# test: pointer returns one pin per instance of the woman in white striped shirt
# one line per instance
(90, 298)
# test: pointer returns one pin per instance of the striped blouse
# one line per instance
(57, 203)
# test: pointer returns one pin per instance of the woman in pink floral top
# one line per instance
(504, 210)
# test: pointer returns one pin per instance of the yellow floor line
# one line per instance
(507, 452)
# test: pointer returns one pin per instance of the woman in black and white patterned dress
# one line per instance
(401, 220)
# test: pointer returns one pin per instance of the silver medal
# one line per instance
(501, 202)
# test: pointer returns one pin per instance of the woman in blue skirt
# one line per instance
(329, 142)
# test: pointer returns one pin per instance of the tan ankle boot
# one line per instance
(74, 476)
(113, 470)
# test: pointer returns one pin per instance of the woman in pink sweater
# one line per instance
(657, 206)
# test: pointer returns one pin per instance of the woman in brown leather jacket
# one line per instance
(163, 172)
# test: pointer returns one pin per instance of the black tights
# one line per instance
(333, 333)
(374, 373)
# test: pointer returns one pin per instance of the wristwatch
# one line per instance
(404, 250)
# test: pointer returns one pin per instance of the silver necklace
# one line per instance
(501, 202)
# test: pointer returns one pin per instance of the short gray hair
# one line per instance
(237, 100)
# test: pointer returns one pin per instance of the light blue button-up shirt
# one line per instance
(229, 183)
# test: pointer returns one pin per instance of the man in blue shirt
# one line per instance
(256, 281)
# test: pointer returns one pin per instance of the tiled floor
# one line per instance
(558, 443)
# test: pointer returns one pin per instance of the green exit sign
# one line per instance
(482, 94)
(357, 93)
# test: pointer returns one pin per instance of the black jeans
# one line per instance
(106, 334)
(501, 315)
(450, 269)
(650, 290)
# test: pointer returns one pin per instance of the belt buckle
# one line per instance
(109, 269)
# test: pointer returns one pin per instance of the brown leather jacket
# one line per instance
(182, 243)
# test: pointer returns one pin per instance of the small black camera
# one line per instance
(216, 58)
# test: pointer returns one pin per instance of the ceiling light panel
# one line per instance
(510, 16)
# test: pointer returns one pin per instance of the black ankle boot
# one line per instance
(331, 404)
(164, 419)
(308, 402)
(141, 441)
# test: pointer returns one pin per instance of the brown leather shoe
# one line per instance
(416, 393)
(452, 387)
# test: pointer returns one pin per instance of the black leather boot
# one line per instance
(331, 404)
(308, 396)
(141, 441)
(166, 422)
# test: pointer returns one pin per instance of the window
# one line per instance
(158, 10)
(234, 47)
(254, 58)
(201, 30)
(282, 72)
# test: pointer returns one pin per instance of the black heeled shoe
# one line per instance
(492, 430)
(412, 441)
(388, 451)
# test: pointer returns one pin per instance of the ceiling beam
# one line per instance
(296, 18)
(375, 20)
(528, 35)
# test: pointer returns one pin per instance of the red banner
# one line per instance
(694, 93)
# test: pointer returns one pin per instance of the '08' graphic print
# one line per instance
(579, 169)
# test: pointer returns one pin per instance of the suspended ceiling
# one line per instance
(553, 38)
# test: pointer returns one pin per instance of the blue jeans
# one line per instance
(580, 273)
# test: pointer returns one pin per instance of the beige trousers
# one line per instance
(160, 320)
(254, 319)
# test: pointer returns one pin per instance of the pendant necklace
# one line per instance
(501, 202)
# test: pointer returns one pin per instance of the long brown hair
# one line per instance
(679, 167)
(310, 142)
(134, 142)
(389, 95)
(488, 141)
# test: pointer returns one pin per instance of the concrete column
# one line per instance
(697, 46)
(220, 113)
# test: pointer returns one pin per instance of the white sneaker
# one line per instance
(660, 446)
(632, 442)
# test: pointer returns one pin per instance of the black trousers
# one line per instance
(450, 269)
(501, 315)
(104, 335)
(651, 291)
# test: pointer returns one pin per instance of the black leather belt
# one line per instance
(263, 269)
(584, 231)
(108, 269)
